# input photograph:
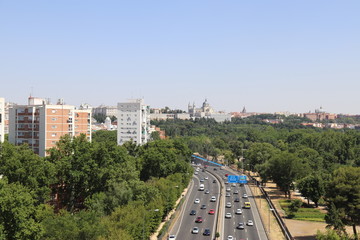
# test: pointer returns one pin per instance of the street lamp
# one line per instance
(144, 222)
(270, 210)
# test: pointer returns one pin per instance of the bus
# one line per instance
(247, 205)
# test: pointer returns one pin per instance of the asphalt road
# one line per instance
(186, 222)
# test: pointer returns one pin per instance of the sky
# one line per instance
(268, 56)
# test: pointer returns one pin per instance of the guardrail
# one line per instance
(277, 216)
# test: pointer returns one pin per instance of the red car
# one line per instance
(199, 220)
(226, 175)
(212, 211)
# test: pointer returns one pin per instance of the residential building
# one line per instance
(133, 122)
(40, 124)
(2, 119)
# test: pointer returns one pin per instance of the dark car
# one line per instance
(237, 200)
(192, 212)
(207, 232)
(203, 206)
(214, 181)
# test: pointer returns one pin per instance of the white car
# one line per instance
(250, 223)
(245, 195)
(195, 230)
(228, 189)
(230, 238)
(236, 192)
(172, 237)
(238, 211)
(228, 215)
(206, 178)
(197, 200)
(213, 199)
(196, 173)
(228, 204)
(233, 185)
(227, 194)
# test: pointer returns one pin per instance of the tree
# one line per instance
(333, 219)
(330, 235)
(19, 215)
(312, 187)
(343, 191)
(285, 168)
(259, 153)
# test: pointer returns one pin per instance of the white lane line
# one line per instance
(184, 206)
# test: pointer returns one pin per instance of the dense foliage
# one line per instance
(84, 190)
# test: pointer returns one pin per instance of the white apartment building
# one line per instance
(41, 124)
(2, 119)
(133, 122)
(108, 111)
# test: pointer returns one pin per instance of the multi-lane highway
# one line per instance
(186, 222)
(233, 196)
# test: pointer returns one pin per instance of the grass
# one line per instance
(304, 213)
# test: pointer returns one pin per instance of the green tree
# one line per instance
(285, 168)
(344, 192)
(330, 235)
(19, 215)
(312, 187)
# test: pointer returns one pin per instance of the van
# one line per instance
(201, 188)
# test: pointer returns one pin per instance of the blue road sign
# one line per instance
(242, 179)
(233, 179)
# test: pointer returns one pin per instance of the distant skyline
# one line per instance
(269, 56)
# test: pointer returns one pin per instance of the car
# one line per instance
(203, 206)
(238, 211)
(230, 237)
(226, 182)
(228, 189)
(203, 170)
(250, 223)
(245, 195)
(197, 200)
(233, 185)
(211, 211)
(172, 237)
(195, 230)
(228, 204)
(206, 178)
(226, 175)
(199, 219)
(202, 180)
(214, 181)
(207, 191)
(237, 200)
(196, 173)
(215, 169)
(228, 215)
(207, 232)
(240, 226)
(193, 212)
(213, 199)
(227, 194)
(236, 192)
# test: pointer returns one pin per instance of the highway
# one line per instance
(186, 222)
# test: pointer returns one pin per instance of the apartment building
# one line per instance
(108, 111)
(41, 124)
(133, 122)
(2, 119)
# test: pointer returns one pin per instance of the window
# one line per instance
(53, 134)
(53, 111)
(53, 126)
(54, 119)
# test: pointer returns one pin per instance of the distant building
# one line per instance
(2, 119)
(108, 111)
(153, 128)
(320, 115)
(206, 111)
(41, 124)
(133, 122)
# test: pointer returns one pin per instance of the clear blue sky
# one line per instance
(267, 55)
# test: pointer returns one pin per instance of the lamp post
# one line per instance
(144, 222)
(270, 210)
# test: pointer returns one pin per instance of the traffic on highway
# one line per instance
(212, 203)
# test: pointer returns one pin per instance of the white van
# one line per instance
(201, 188)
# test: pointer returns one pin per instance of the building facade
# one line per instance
(206, 111)
(133, 122)
(2, 119)
(108, 111)
(41, 124)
